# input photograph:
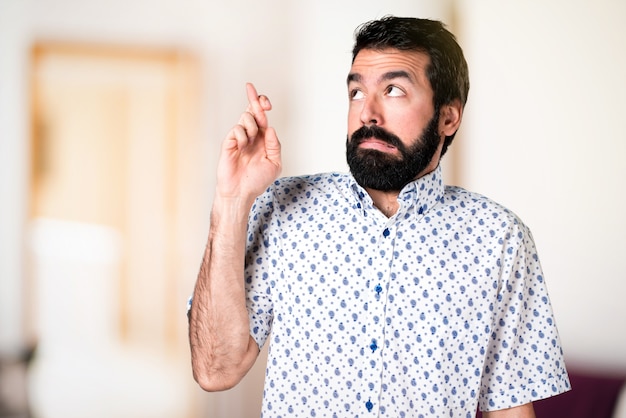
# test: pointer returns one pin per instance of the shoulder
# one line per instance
(311, 181)
(476, 208)
(321, 184)
(458, 198)
(287, 191)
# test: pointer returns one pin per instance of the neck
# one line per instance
(386, 202)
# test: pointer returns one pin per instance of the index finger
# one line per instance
(255, 107)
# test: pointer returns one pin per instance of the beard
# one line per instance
(377, 170)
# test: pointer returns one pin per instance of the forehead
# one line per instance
(372, 64)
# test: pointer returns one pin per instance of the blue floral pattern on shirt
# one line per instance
(429, 313)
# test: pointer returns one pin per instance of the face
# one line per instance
(392, 129)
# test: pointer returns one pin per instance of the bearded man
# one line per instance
(381, 292)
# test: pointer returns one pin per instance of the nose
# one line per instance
(371, 113)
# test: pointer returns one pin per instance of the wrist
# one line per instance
(231, 208)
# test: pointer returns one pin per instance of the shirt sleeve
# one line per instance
(524, 359)
(261, 266)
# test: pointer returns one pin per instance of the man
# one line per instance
(386, 292)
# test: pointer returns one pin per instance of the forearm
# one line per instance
(522, 411)
(222, 350)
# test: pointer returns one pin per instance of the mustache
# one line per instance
(381, 134)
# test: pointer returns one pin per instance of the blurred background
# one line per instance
(111, 117)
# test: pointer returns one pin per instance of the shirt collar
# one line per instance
(416, 198)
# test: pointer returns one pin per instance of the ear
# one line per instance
(450, 118)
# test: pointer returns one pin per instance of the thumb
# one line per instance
(272, 146)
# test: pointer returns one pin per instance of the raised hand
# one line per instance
(222, 349)
(250, 157)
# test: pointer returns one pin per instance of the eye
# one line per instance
(395, 91)
(356, 94)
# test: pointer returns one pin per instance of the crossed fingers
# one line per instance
(257, 106)
(254, 120)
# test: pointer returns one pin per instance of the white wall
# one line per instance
(544, 135)
(13, 157)
(542, 131)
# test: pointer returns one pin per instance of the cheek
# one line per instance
(404, 128)
(408, 125)
(354, 120)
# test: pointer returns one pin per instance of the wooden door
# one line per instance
(105, 208)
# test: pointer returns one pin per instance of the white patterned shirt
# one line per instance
(429, 313)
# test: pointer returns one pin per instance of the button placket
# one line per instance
(377, 307)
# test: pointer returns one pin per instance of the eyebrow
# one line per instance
(391, 75)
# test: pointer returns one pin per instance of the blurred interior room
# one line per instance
(111, 118)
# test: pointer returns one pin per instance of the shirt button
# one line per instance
(386, 232)
(369, 405)
(373, 345)
(378, 289)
